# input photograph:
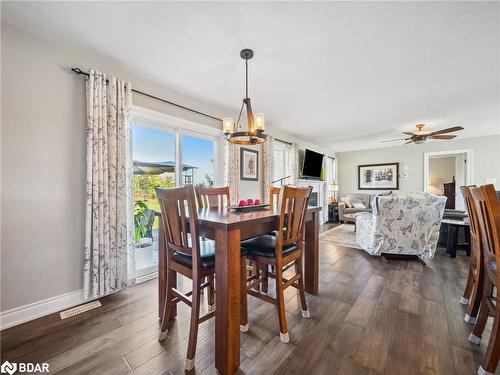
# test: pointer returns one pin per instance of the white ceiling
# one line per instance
(343, 75)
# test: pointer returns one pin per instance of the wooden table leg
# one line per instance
(227, 311)
(311, 254)
(467, 240)
(451, 243)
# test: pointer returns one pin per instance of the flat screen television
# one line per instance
(312, 165)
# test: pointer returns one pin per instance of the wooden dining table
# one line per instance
(228, 228)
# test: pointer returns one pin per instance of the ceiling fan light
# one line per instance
(419, 141)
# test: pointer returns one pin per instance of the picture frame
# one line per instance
(383, 176)
(249, 164)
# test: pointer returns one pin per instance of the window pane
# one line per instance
(153, 153)
(281, 162)
(198, 156)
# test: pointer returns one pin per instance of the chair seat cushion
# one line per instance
(265, 246)
(207, 252)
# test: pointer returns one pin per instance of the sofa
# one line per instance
(401, 223)
(365, 198)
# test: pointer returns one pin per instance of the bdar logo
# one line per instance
(8, 368)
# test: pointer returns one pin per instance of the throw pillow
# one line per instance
(358, 203)
(347, 202)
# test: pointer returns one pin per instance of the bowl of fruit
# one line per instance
(249, 204)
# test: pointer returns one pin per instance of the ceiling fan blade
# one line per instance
(392, 140)
(448, 130)
(409, 133)
(443, 136)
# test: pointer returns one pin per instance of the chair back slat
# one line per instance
(294, 202)
(213, 197)
(488, 214)
(471, 211)
(274, 196)
(179, 218)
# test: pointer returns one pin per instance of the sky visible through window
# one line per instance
(154, 145)
(199, 153)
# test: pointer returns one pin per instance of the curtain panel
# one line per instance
(293, 162)
(232, 170)
(268, 167)
(109, 262)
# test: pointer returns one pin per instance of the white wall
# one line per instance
(43, 161)
(441, 170)
(485, 161)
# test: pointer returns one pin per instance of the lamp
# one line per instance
(334, 187)
(255, 124)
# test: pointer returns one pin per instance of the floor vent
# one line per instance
(80, 309)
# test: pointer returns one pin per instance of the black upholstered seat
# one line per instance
(264, 246)
(207, 253)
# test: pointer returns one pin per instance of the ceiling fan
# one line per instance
(420, 136)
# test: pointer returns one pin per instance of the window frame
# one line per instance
(180, 127)
(285, 158)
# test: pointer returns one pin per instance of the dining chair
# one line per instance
(474, 287)
(282, 251)
(213, 197)
(274, 194)
(187, 254)
(488, 209)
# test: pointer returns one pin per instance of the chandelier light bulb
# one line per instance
(260, 122)
(227, 125)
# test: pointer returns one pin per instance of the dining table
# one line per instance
(228, 228)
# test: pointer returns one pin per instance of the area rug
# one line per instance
(343, 235)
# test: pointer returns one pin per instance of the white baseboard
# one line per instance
(23, 314)
(143, 278)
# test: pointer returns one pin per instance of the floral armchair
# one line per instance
(401, 223)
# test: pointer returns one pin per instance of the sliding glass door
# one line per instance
(154, 164)
(198, 159)
(166, 157)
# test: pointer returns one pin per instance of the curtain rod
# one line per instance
(282, 141)
(81, 72)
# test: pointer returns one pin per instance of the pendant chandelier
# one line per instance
(254, 134)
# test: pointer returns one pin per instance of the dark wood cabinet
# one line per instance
(449, 192)
(333, 213)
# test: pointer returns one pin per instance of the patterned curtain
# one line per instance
(293, 163)
(109, 263)
(232, 170)
(268, 166)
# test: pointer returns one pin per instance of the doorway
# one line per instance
(445, 172)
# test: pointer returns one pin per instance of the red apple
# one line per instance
(257, 202)
(250, 201)
(243, 203)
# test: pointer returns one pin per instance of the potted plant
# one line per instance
(143, 245)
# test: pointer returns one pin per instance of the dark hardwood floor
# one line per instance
(371, 317)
